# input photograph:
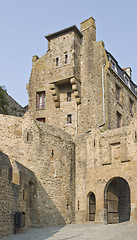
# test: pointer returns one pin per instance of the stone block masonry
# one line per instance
(72, 156)
(48, 196)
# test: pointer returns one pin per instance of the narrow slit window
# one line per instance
(68, 96)
(69, 118)
(66, 58)
(131, 104)
(57, 62)
(119, 117)
(118, 92)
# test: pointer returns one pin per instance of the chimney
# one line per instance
(88, 28)
(128, 70)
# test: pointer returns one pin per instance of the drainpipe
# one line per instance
(103, 96)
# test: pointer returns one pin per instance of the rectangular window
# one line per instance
(127, 80)
(69, 118)
(41, 119)
(68, 96)
(66, 58)
(57, 62)
(131, 104)
(40, 100)
(113, 65)
(119, 117)
(118, 90)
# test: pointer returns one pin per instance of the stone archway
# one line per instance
(117, 200)
(91, 206)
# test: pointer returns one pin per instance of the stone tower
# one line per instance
(73, 86)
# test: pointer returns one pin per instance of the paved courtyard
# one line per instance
(122, 231)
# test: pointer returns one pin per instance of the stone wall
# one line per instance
(14, 179)
(57, 168)
(49, 153)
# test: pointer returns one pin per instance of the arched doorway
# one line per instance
(91, 206)
(117, 201)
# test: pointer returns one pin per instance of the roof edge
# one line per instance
(65, 30)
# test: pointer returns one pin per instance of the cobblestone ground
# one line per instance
(122, 231)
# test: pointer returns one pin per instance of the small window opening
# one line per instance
(113, 65)
(94, 143)
(68, 206)
(68, 96)
(52, 153)
(29, 136)
(41, 119)
(127, 80)
(57, 62)
(119, 117)
(131, 103)
(66, 58)
(118, 90)
(69, 118)
(78, 204)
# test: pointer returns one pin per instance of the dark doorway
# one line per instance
(117, 200)
(92, 206)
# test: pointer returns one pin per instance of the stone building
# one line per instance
(73, 154)
(77, 84)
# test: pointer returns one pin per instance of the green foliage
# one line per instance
(3, 101)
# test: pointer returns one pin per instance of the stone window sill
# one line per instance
(37, 109)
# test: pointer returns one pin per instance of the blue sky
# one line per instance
(23, 25)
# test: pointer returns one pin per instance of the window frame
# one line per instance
(69, 118)
(127, 80)
(113, 65)
(40, 96)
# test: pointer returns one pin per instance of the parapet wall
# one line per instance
(12, 196)
(49, 154)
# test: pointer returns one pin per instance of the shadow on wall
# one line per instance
(20, 191)
(49, 214)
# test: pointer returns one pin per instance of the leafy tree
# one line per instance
(3, 101)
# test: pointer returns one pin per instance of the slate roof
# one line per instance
(123, 75)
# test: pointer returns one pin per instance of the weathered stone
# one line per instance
(74, 166)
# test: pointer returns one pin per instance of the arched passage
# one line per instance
(91, 206)
(117, 200)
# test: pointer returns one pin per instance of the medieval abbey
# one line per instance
(72, 157)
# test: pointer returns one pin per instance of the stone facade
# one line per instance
(73, 154)
(107, 156)
(89, 73)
